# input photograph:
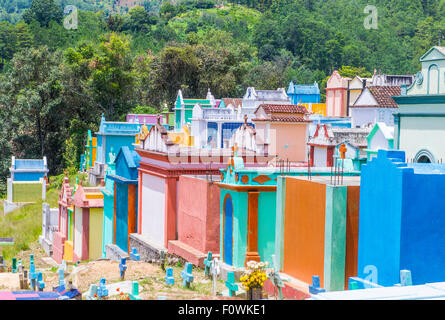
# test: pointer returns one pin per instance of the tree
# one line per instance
(43, 11)
(36, 115)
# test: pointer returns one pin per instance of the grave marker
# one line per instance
(92, 293)
(2, 264)
(405, 278)
(215, 271)
(230, 284)
(14, 265)
(207, 264)
(169, 279)
(33, 276)
(186, 275)
(134, 255)
(123, 267)
(134, 295)
(275, 276)
(314, 288)
(102, 291)
(40, 283)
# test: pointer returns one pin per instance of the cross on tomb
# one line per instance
(102, 291)
(235, 150)
(342, 150)
(40, 283)
(123, 267)
(314, 288)
(230, 284)
(275, 276)
(215, 271)
(14, 265)
(207, 264)
(33, 276)
(2, 264)
(186, 275)
(169, 279)
(61, 277)
(134, 255)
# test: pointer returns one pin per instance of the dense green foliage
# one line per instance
(55, 83)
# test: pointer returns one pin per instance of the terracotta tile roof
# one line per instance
(383, 96)
(284, 118)
(283, 108)
(236, 102)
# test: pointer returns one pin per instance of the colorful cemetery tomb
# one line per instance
(162, 163)
(248, 210)
(169, 279)
(186, 275)
(355, 89)
(213, 127)
(27, 183)
(88, 211)
(317, 229)
(301, 93)
(88, 159)
(40, 282)
(63, 238)
(282, 130)
(50, 225)
(336, 95)
(375, 104)
(380, 137)
(2, 264)
(401, 220)
(184, 108)
(125, 197)
(110, 138)
(254, 98)
(318, 109)
(108, 193)
(147, 119)
(169, 117)
(325, 142)
(419, 129)
(197, 219)
(28, 295)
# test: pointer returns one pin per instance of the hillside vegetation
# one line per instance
(55, 83)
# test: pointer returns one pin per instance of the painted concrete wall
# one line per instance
(320, 224)
(198, 215)
(78, 228)
(380, 217)
(266, 225)
(153, 208)
(422, 133)
(320, 157)
(239, 246)
(108, 221)
(95, 238)
(304, 233)
(364, 116)
(288, 141)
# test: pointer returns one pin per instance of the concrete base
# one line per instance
(114, 253)
(46, 245)
(189, 253)
(293, 289)
(11, 206)
(148, 250)
(225, 268)
(58, 247)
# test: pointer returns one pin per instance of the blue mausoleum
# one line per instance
(302, 93)
(402, 220)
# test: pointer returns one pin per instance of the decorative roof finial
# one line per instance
(158, 119)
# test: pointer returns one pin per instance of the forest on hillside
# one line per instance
(55, 83)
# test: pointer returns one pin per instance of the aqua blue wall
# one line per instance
(28, 176)
(401, 219)
(266, 225)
